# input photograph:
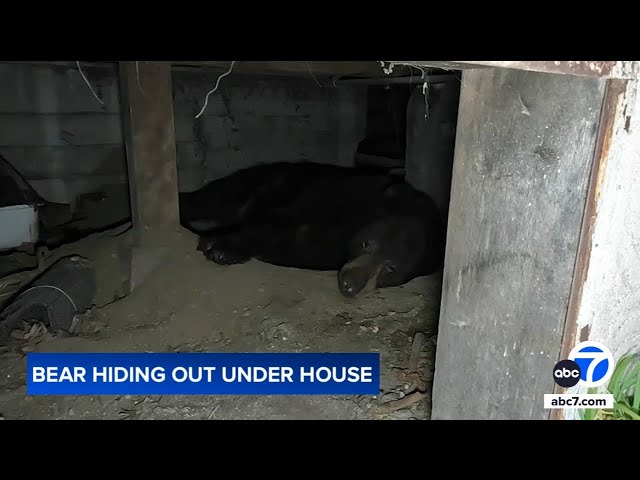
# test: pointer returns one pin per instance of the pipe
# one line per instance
(416, 79)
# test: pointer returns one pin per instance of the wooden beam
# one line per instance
(147, 107)
(295, 68)
(525, 144)
(304, 68)
(149, 133)
(600, 69)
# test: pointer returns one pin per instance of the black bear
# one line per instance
(370, 226)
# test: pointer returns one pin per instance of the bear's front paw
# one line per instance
(222, 251)
(226, 257)
(205, 244)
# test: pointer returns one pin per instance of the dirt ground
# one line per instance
(189, 304)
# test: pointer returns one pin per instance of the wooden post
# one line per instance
(148, 124)
(525, 145)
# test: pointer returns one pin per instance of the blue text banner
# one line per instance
(203, 373)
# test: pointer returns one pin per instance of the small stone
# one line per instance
(17, 334)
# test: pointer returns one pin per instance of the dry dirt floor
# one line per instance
(191, 305)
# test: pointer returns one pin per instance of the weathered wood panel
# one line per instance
(524, 147)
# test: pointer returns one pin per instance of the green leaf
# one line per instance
(622, 408)
(615, 381)
(590, 414)
(624, 385)
(630, 378)
(636, 394)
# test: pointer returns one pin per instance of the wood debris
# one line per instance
(405, 402)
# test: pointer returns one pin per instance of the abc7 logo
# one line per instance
(566, 373)
(589, 363)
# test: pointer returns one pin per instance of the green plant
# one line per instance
(624, 385)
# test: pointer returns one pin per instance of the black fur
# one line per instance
(362, 222)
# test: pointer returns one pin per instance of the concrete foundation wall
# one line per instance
(56, 133)
(65, 142)
(611, 295)
(252, 119)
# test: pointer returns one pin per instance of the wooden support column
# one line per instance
(525, 146)
(148, 124)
